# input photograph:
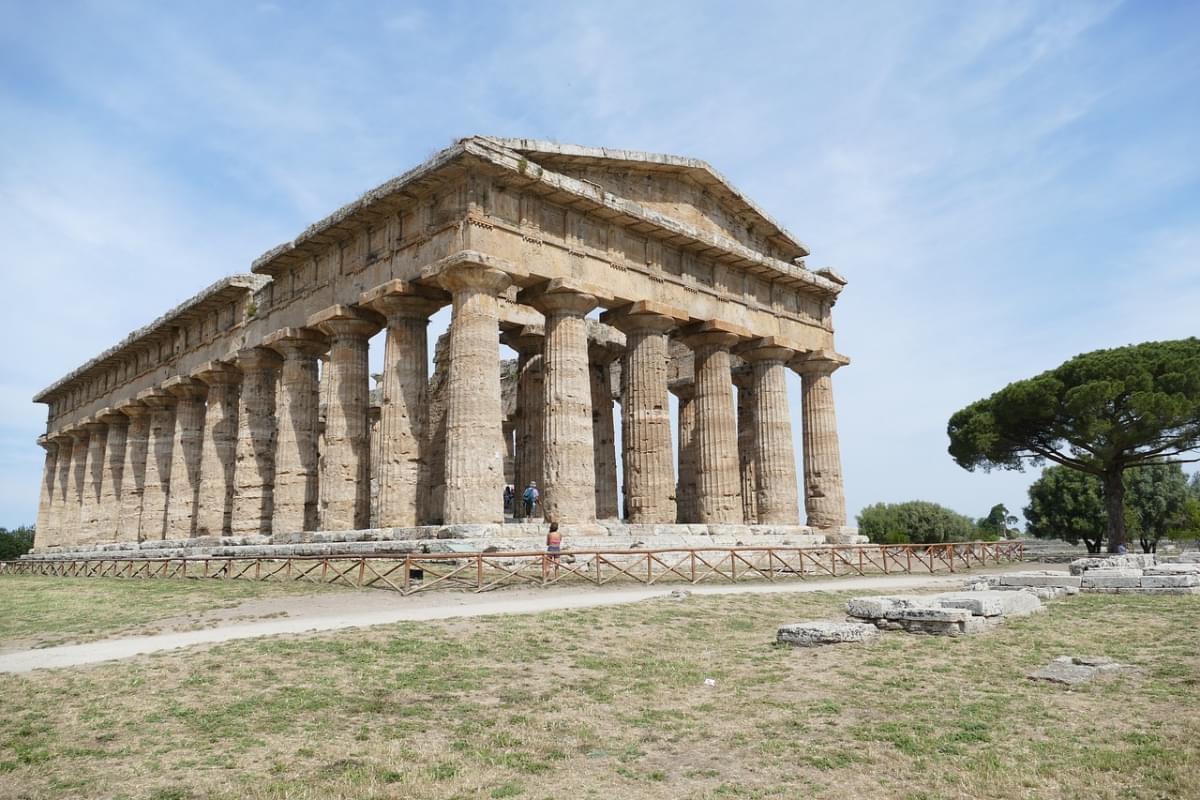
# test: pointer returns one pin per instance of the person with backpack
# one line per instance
(530, 496)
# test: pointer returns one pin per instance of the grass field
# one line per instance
(611, 703)
(40, 612)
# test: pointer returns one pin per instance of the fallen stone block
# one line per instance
(1071, 671)
(815, 634)
(875, 607)
(931, 614)
(1173, 569)
(1169, 581)
(992, 603)
(1091, 581)
(1129, 561)
(1039, 579)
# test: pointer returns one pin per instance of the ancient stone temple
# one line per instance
(620, 279)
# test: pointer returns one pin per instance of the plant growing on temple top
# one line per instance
(1099, 413)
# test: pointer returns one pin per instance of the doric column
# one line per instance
(346, 461)
(59, 518)
(93, 477)
(685, 487)
(650, 493)
(112, 482)
(157, 485)
(218, 448)
(474, 464)
(528, 343)
(743, 379)
(774, 450)
(133, 471)
(404, 479)
(296, 469)
(254, 454)
(569, 494)
(190, 395)
(718, 480)
(72, 528)
(43, 532)
(824, 496)
(604, 438)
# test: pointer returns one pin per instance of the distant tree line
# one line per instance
(15, 543)
(923, 522)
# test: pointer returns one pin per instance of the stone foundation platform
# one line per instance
(508, 537)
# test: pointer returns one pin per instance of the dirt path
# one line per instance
(355, 609)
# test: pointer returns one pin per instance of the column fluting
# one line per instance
(190, 409)
(93, 482)
(43, 533)
(218, 449)
(133, 471)
(296, 493)
(685, 487)
(604, 437)
(254, 453)
(113, 480)
(774, 450)
(59, 518)
(718, 480)
(824, 497)
(743, 379)
(528, 457)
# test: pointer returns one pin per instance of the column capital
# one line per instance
(527, 340)
(404, 300)
(713, 333)
(156, 399)
(134, 409)
(112, 416)
(818, 362)
(743, 376)
(185, 388)
(257, 358)
(471, 270)
(563, 295)
(46, 443)
(92, 426)
(767, 348)
(604, 353)
(682, 390)
(217, 373)
(297, 341)
(645, 315)
(343, 320)
(62, 438)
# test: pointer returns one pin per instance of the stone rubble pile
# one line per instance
(1128, 574)
(946, 614)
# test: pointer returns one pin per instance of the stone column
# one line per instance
(474, 465)
(743, 379)
(774, 453)
(296, 470)
(43, 530)
(62, 489)
(346, 475)
(254, 453)
(604, 437)
(404, 480)
(218, 448)
(184, 498)
(72, 529)
(824, 497)
(528, 467)
(93, 477)
(650, 492)
(718, 480)
(156, 488)
(113, 480)
(133, 471)
(685, 488)
(569, 494)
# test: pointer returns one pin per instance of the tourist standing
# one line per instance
(530, 497)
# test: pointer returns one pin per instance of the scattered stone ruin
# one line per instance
(244, 417)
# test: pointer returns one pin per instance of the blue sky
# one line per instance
(1004, 184)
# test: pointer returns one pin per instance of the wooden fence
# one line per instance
(483, 571)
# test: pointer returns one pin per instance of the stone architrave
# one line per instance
(43, 532)
(218, 448)
(404, 479)
(824, 497)
(73, 531)
(133, 471)
(346, 460)
(474, 465)
(157, 485)
(718, 479)
(254, 454)
(59, 518)
(650, 493)
(528, 342)
(296, 457)
(112, 481)
(743, 379)
(190, 395)
(93, 482)
(774, 451)
(685, 487)
(604, 437)
(569, 494)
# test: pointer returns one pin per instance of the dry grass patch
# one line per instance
(611, 703)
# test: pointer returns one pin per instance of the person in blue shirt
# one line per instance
(530, 497)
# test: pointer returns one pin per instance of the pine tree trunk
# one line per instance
(1114, 503)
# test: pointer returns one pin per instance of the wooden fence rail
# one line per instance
(483, 571)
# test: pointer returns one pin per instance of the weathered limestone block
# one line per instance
(718, 479)
(992, 603)
(774, 451)
(190, 397)
(813, 634)
(254, 454)
(824, 496)
(404, 482)
(43, 531)
(569, 494)
(218, 449)
(93, 487)
(1173, 569)
(1130, 561)
(474, 466)
(647, 455)
(112, 482)
(133, 471)
(1043, 578)
(157, 483)
(1111, 579)
(297, 411)
(346, 461)
(1165, 581)
(685, 487)
(1071, 671)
